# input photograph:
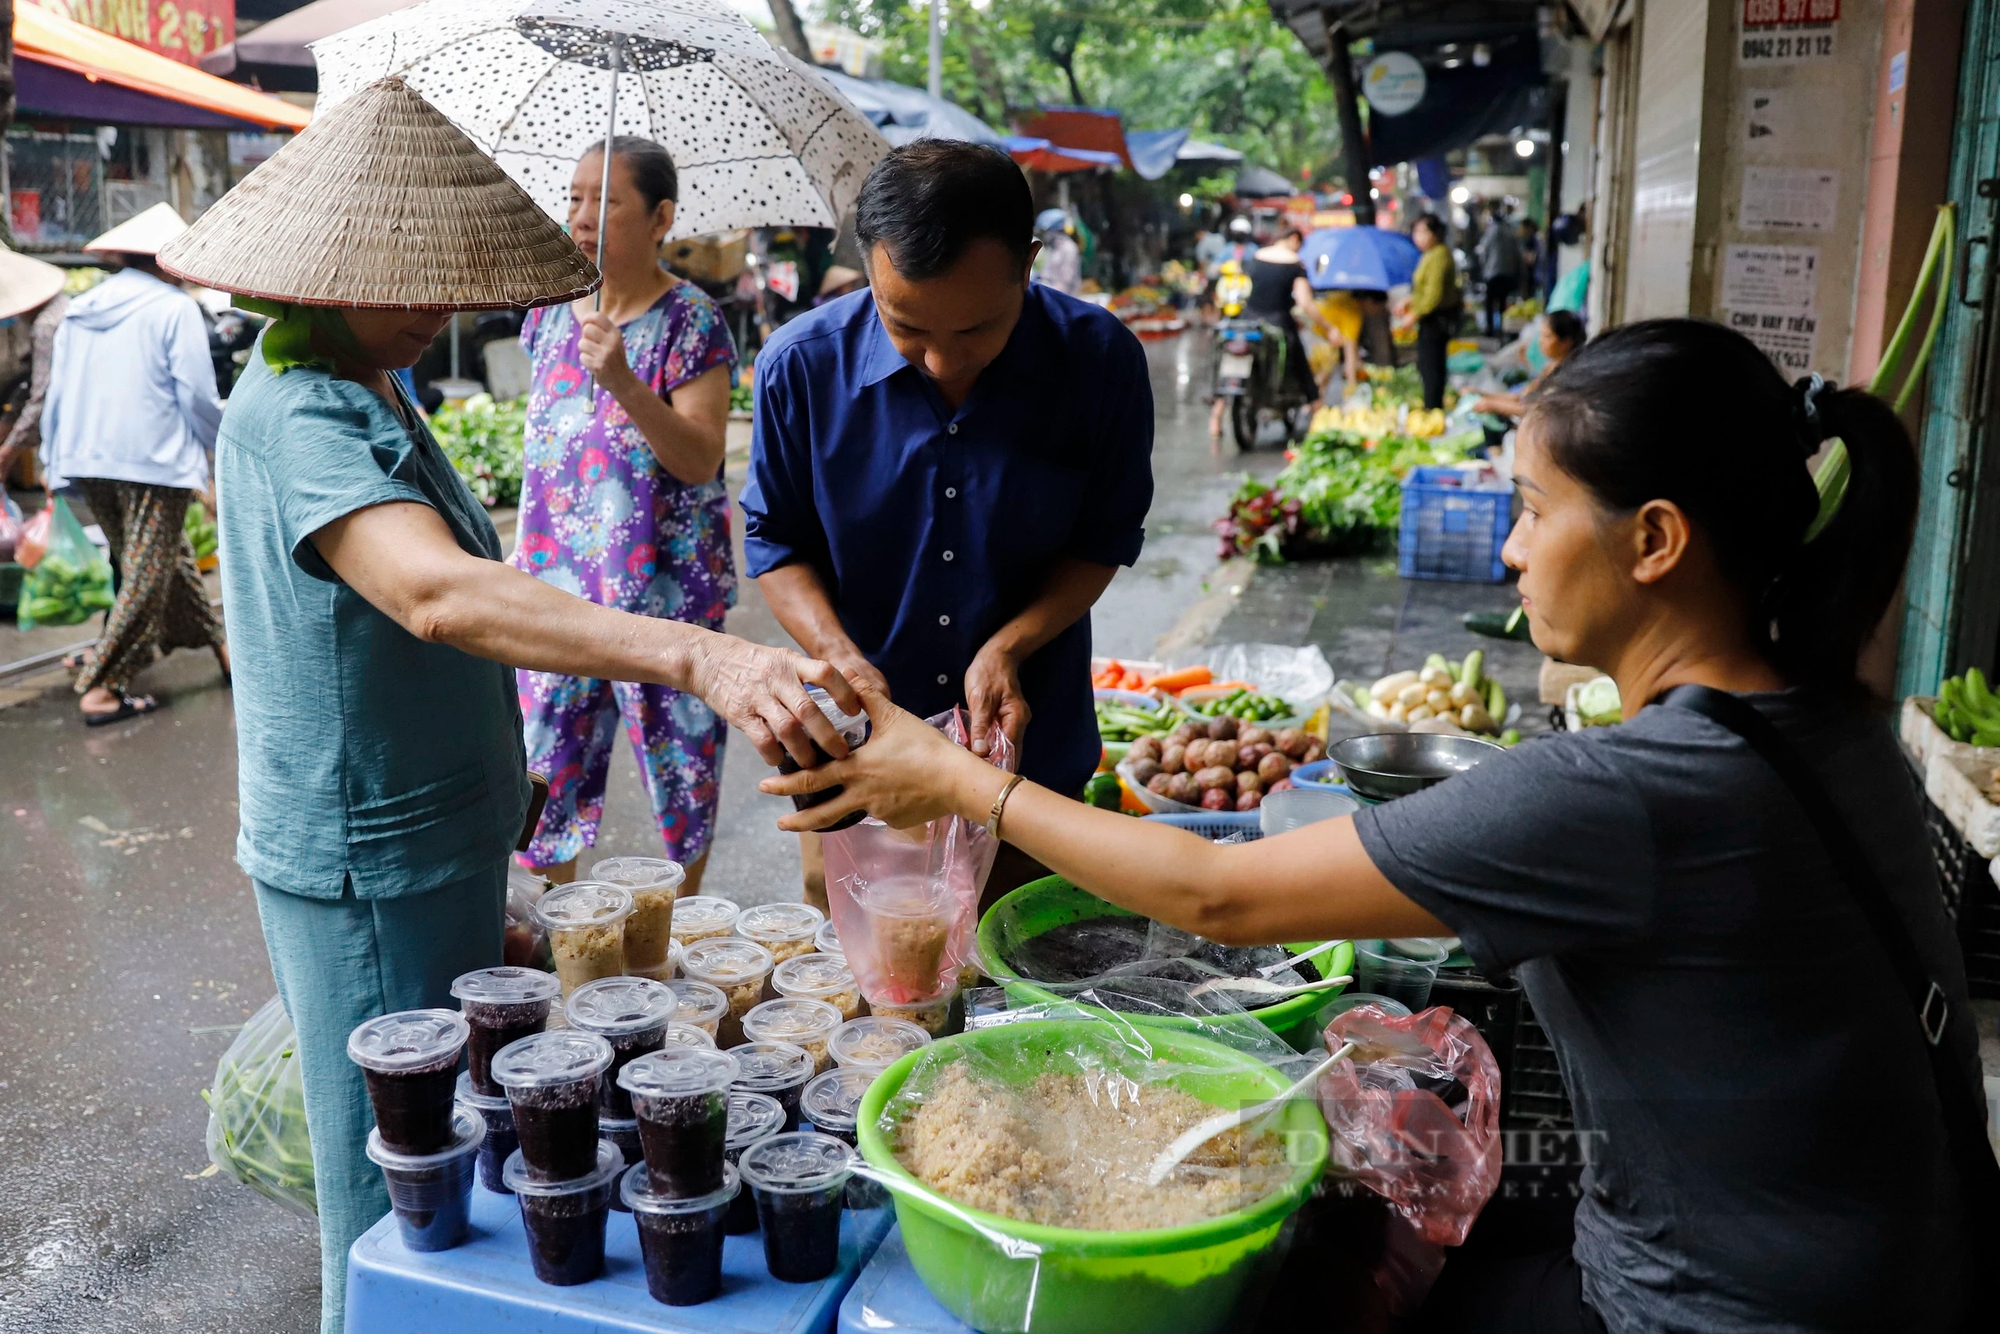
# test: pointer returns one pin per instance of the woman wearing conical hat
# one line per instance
(374, 626)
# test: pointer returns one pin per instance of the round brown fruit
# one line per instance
(1159, 783)
(1246, 757)
(1273, 767)
(1146, 748)
(1173, 759)
(1214, 776)
(1181, 787)
(1249, 801)
(1282, 785)
(1248, 781)
(1188, 731)
(1215, 799)
(1145, 771)
(1250, 734)
(1222, 729)
(1315, 750)
(1292, 742)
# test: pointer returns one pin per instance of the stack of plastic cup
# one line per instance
(681, 1098)
(502, 1005)
(430, 1192)
(780, 1069)
(500, 1141)
(630, 1013)
(830, 1105)
(738, 969)
(1403, 971)
(799, 1182)
(680, 1239)
(752, 1117)
(873, 1043)
(564, 1220)
(586, 926)
(794, 1019)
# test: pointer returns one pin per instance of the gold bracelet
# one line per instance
(1000, 804)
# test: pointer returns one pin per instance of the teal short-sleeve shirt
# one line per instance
(365, 756)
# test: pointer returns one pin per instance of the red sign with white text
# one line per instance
(184, 30)
(1762, 13)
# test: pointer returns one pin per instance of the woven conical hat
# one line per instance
(381, 201)
(25, 283)
(142, 234)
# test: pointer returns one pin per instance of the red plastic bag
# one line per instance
(1415, 1115)
(906, 901)
(33, 543)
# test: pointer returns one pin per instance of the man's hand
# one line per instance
(601, 349)
(857, 668)
(760, 691)
(993, 691)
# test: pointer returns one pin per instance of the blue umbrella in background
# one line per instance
(1366, 259)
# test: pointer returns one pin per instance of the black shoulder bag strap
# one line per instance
(1960, 1095)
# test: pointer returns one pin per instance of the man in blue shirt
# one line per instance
(948, 468)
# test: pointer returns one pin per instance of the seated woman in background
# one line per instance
(1562, 334)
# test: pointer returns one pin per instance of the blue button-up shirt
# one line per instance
(932, 528)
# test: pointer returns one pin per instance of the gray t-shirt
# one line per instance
(1767, 1149)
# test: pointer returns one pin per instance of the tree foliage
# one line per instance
(1227, 71)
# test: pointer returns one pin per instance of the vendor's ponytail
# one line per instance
(1691, 412)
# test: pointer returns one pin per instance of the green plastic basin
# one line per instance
(1184, 1279)
(1042, 905)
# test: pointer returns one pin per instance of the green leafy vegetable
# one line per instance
(483, 439)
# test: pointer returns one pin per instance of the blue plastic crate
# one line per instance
(1215, 824)
(488, 1285)
(1451, 529)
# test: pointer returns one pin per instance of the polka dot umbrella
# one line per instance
(758, 137)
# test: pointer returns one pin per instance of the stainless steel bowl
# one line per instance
(1387, 765)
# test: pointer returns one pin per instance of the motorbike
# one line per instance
(1250, 370)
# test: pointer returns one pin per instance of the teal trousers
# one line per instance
(342, 961)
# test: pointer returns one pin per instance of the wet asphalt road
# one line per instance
(134, 952)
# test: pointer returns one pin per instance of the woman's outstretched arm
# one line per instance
(1312, 884)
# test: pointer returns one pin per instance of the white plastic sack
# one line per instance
(1302, 677)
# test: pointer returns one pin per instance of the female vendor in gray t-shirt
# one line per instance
(1770, 1143)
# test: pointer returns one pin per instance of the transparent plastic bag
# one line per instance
(70, 582)
(1302, 677)
(10, 527)
(1415, 1115)
(906, 901)
(526, 941)
(257, 1113)
(1055, 1117)
(34, 539)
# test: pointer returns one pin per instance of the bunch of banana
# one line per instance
(1968, 709)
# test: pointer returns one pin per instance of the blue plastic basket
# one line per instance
(1451, 530)
(1215, 824)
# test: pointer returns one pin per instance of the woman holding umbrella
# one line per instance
(380, 765)
(622, 502)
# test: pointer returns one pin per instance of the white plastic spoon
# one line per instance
(1257, 986)
(1272, 970)
(1176, 1153)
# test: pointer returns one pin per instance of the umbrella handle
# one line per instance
(604, 185)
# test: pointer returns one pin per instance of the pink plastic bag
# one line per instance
(1437, 1162)
(906, 901)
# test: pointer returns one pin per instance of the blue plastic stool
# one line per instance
(889, 1295)
(488, 1284)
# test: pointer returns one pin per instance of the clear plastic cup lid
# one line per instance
(770, 1065)
(726, 961)
(615, 1006)
(875, 1042)
(506, 986)
(584, 903)
(801, 1160)
(752, 1116)
(675, 1072)
(853, 726)
(697, 1002)
(779, 921)
(814, 975)
(408, 1041)
(639, 872)
(468, 1132)
(687, 1035)
(610, 1165)
(827, 939)
(472, 1097)
(542, 1059)
(833, 1099)
(636, 1189)
(793, 1019)
(702, 914)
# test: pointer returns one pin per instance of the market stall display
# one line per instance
(501, 1006)
(785, 929)
(800, 1021)
(586, 926)
(1441, 696)
(680, 1240)
(565, 1219)
(1342, 493)
(874, 1043)
(699, 1005)
(701, 917)
(752, 1117)
(500, 1141)
(778, 1070)
(1216, 764)
(738, 969)
(681, 1100)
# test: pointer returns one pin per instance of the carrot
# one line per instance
(1132, 681)
(1175, 682)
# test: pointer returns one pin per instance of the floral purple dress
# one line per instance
(602, 519)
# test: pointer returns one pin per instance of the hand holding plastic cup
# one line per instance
(410, 1062)
(853, 728)
(799, 1181)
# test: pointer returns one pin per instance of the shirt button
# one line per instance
(943, 679)
(944, 620)
(952, 429)
(947, 555)
(951, 493)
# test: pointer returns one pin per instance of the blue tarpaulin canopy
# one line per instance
(1153, 152)
(1358, 259)
(904, 114)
